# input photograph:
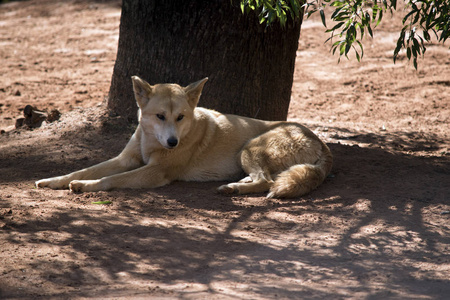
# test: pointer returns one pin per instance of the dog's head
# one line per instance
(166, 111)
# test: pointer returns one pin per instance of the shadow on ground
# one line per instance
(374, 229)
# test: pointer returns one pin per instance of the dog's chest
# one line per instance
(147, 148)
(145, 152)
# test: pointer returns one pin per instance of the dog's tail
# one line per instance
(301, 179)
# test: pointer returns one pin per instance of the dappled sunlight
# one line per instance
(356, 235)
(285, 247)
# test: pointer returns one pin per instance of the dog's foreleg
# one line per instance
(129, 159)
(116, 165)
(147, 176)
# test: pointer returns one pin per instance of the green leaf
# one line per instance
(342, 48)
(351, 33)
(375, 12)
(414, 51)
(416, 18)
(328, 39)
(405, 18)
(243, 6)
(357, 55)
(322, 16)
(295, 8)
(367, 19)
(369, 29)
(361, 28)
(380, 16)
(278, 9)
(337, 3)
(362, 49)
(400, 43)
(347, 49)
(336, 12)
(102, 202)
(416, 46)
(338, 25)
(336, 44)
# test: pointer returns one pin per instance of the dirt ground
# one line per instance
(377, 228)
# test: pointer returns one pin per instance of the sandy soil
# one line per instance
(377, 228)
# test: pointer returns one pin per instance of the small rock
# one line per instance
(35, 118)
(19, 122)
(54, 115)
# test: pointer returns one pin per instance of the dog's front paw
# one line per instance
(80, 186)
(247, 179)
(55, 183)
(227, 189)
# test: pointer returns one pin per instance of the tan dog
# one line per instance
(176, 140)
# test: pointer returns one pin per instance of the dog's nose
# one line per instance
(172, 142)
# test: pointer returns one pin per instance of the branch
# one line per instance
(355, 18)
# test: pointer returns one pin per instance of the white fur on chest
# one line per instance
(147, 148)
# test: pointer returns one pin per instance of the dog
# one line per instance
(176, 140)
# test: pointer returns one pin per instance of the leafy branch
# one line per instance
(424, 17)
(270, 11)
(356, 18)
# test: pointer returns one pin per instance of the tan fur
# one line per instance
(176, 140)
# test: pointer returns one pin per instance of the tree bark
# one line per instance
(250, 66)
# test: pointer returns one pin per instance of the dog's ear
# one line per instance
(194, 90)
(142, 91)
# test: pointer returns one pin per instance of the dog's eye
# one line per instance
(180, 117)
(161, 117)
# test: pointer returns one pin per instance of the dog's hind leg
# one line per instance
(255, 183)
(258, 181)
(252, 160)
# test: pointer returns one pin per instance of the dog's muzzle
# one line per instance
(172, 142)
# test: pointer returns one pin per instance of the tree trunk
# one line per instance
(250, 66)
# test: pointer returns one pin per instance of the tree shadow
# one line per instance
(413, 141)
(373, 229)
(61, 148)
